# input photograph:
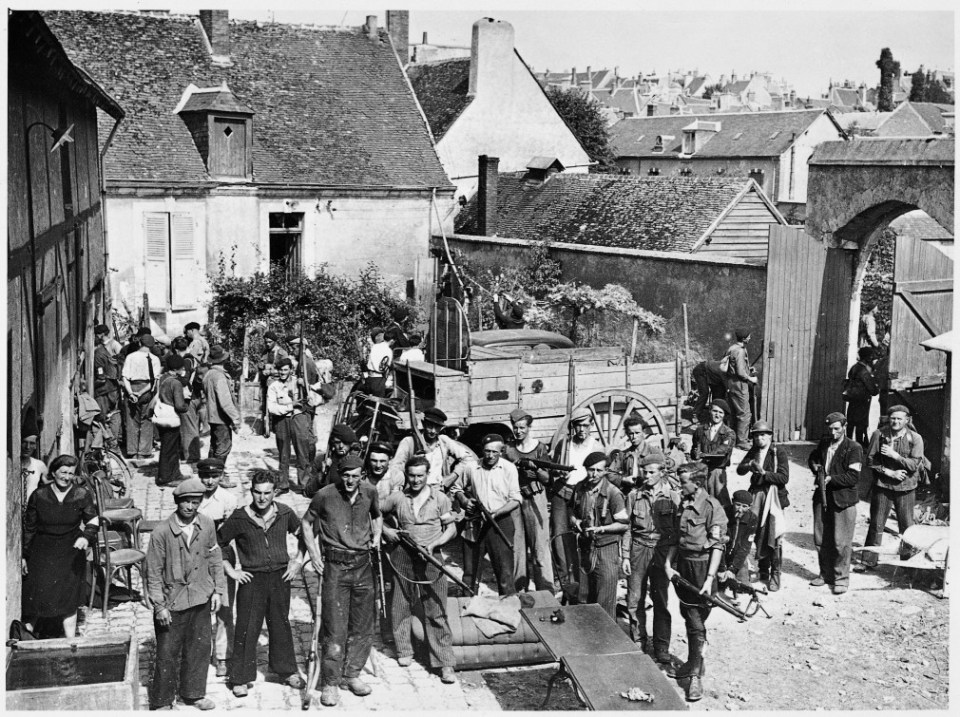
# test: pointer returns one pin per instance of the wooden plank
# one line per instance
(493, 369)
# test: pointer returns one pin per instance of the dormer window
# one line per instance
(662, 140)
(689, 147)
(222, 131)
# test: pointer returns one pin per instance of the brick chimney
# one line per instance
(487, 196)
(398, 25)
(216, 26)
(491, 58)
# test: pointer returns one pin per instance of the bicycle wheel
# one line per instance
(118, 472)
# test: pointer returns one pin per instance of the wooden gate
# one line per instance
(922, 308)
(806, 325)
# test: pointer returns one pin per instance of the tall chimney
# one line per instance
(487, 196)
(491, 59)
(398, 25)
(216, 26)
(424, 37)
(371, 27)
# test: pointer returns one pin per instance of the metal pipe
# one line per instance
(107, 297)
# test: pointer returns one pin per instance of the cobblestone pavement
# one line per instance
(394, 687)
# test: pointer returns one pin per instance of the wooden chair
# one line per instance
(109, 556)
(119, 514)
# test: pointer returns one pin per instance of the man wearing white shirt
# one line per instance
(448, 458)
(414, 353)
(378, 363)
(284, 405)
(141, 370)
(495, 484)
(33, 469)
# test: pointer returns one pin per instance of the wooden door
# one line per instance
(806, 326)
(228, 148)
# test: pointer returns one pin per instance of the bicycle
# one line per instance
(99, 454)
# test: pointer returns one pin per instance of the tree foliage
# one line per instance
(586, 121)
(925, 87)
(711, 90)
(572, 302)
(337, 311)
(889, 69)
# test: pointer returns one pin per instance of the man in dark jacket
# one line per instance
(741, 527)
(769, 471)
(106, 382)
(222, 410)
(860, 389)
(713, 443)
(711, 385)
(837, 461)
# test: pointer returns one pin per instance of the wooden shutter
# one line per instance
(185, 284)
(228, 148)
(156, 229)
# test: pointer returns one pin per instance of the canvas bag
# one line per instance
(164, 415)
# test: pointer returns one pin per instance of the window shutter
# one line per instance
(156, 226)
(186, 271)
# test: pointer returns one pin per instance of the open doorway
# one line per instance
(286, 238)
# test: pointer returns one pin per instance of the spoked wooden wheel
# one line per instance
(608, 410)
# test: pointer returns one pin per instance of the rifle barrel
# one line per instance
(549, 465)
(410, 542)
(714, 602)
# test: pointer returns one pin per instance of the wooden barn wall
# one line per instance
(54, 275)
(743, 232)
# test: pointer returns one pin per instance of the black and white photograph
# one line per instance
(475, 358)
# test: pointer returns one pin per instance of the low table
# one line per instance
(600, 660)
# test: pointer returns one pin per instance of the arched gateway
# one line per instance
(815, 273)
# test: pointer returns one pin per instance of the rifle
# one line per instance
(301, 369)
(712, 600)
(489, 518)
(420, 445)
(383, 593)
(407, 540)
(549, 465)
(822, 487)
(313, 657)
(738, 586)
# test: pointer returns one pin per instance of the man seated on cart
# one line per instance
(448, 458)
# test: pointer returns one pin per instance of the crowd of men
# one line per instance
(571, 522)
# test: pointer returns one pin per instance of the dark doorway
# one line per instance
(286, 235)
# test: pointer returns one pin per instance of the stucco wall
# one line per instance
(344, 232)
(721, 294)
(510, 117)
(705, 167)
(820, 130)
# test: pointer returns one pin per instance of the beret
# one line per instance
(270, 335)
(435, 415)
(518, 414)
(380, 447)
(210, 466)
(594, 458)
(835, 417)
(491, 438)
(721, 404)
(743, 496)
(285, 361)
(343, 433)
(101, 329)
(867, 353)
(191, 487)
(349, 463)
(899, 408)
(174, 362)
(741, 334)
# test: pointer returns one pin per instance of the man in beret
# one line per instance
(494, 484)
(741, 527)
(860, 388)
(284, 407)
(325, 469)
(260, 531)
(598, 516)
(106, 381)
(345, 517)
(267, 366)
(218, 504)
(739, 378)
(199, 346)
(222, 410)
(531, 530)
(448, 457)
(895, 458)
(769, 469)
(836, 461)
(650, 507)
(713, 443)
(185, 584)
(580, 443)
(141, 372)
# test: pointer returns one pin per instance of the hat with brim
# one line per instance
(435, 416)
(760, 427)
(210, 467)
(580, 415)
(218, 354)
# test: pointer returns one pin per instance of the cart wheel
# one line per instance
(609, 409)
(348, 407)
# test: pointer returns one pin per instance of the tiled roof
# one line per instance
(931, 113)
(695, 84)
(441, 88)
(753, 134)
(659, 214)
(330, 105)
(736, 88)
(220, 99)
(845, 96)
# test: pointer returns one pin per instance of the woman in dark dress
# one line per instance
(170, 392)
(54, 546)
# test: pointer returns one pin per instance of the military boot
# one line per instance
(691, 667)
(694, 690)
(775, 561)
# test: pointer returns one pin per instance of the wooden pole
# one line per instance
(633, 339)
(146, 310)
(243, 374)
(686, 336)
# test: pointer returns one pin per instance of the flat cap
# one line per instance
(189, 488)
(581, 414)
(191, 325)
(210, 466)
(380, 447)
(835, 417)
(899, 408)
(743, 496)
(594, 458)
(435, 415)
(653, 458)
(343, 433)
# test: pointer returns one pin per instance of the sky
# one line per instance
(807, 43)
